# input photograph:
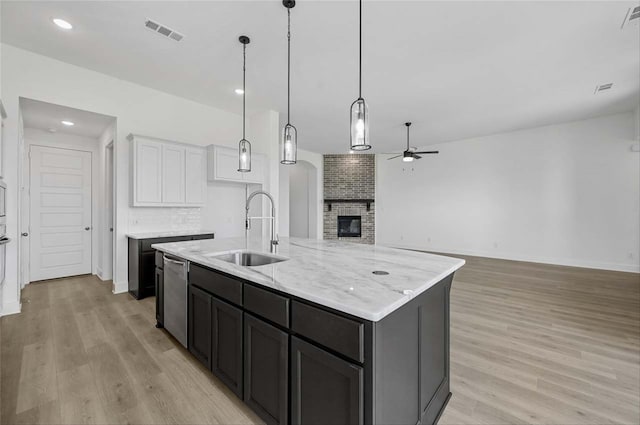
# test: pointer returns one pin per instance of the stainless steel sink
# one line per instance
(249, 259)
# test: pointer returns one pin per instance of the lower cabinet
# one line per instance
(199, 335)
(266, 377)
(226, 344)
(325, 389)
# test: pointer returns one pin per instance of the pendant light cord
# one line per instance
(360, 64)
(288, 66)
(244, 92)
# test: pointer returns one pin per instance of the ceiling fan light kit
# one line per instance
(244, 146)
(411, 154)
(289, 132)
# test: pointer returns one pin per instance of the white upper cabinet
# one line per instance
(173, 174)
(167, 174)
(196, 183)
(147, 187)
(223, 166)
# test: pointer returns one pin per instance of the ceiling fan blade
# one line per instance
(416, 156)
(427, 152)
(394, 157)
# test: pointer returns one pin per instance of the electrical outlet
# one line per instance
(401, 237)
(631, 256)
(429, 240)
(495, 244)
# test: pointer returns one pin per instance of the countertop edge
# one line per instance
(167, 234)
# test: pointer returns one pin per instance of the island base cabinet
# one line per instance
(199, 340)
(325, 389)
(226, 344)
(266, 377)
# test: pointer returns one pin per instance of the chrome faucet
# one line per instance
(247, 222)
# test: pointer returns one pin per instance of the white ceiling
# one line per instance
(47, 116)
(455, 69)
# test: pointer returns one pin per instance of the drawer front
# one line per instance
(159, 257)
(216, 283)
(338, 333)
(264, 303)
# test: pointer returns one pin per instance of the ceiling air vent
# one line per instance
(632, 16)
(163, 30)
(603, 87)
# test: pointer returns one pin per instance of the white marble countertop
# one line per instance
(167, 234)
(331, 273)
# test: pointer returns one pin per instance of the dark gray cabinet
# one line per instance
(142, 281)
(296, 362)
(226, 344)
(159, 297)
(266, 367)
(325, 389)
(199, 325)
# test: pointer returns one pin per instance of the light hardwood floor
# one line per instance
(530, 343)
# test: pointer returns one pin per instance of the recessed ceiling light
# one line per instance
(68, 123)
(239, 91)
(62, 23)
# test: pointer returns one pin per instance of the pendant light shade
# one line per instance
(244, 146)
(289, 132)
(360, 126)
(359, 109)
(289, 145)
(244, 156)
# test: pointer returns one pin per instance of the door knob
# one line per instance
(111, 229)
(25, 234)
(87, 228)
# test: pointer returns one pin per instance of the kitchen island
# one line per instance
(327, 332)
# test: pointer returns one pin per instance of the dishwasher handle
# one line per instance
(171, 260)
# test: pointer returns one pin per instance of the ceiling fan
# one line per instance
(410, 154)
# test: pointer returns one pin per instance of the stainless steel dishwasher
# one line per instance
(175, 297)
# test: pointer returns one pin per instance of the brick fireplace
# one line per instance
(349, 197)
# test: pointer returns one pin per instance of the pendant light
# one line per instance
(289, 132)
(244, 147)
(359, 110)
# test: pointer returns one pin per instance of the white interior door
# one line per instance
(60, 212)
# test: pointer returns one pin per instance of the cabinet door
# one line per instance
(266, 370)
(173, 174)
(226, 164)
(256, 175)
(325, 389)
(195, 176)
(159, 297)
(148, 172)
(226, 344)
(199, 341)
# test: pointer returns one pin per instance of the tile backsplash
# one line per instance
(170, 219)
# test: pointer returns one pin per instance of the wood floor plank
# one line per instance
(530, 343)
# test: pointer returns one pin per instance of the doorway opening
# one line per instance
(66, 192)
(303, 200)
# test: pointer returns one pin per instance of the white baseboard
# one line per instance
(14, 307)
(630, 268)
(120, 287)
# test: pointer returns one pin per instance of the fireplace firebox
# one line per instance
(349, 226)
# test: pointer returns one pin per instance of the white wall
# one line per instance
(299, 200)
(564, 194)
(138, 109)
